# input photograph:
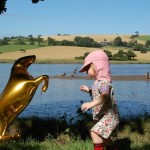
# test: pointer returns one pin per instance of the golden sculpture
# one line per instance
(18, 93)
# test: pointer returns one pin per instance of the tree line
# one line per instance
(120, 55)
(78, 41)
(132, 45)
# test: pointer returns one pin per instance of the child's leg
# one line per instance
(97, 141)
(99, 147)
(96, 138)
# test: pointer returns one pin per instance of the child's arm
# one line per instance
(103, 97)
(84, 88)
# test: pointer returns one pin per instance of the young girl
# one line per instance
(104, 107)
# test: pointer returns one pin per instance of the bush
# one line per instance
(79, 58)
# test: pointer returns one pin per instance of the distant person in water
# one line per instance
(64, 74)
(75, 70)
(104, 107)
(147, 75)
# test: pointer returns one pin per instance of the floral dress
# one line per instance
(106, 115)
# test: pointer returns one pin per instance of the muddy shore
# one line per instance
(115, 78)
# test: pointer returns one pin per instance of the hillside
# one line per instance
(67, 53)
(96, 37)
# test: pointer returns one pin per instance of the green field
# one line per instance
(13, 48)
(144, 38)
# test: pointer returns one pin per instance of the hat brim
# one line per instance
(85, 67)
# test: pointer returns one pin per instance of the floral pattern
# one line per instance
(106, 115)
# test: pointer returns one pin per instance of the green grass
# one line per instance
(144, 38)
(13, 48)
(57, 133)
(48, 144)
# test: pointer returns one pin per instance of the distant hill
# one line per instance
(68, 53)
(100, 37)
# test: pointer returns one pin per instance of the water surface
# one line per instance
(64, 96)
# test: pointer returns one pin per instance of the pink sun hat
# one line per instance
(100, 61)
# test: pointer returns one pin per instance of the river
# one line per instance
(64, 96)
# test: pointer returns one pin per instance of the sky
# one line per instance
(52, 17)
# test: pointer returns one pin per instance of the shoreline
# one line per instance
(73, 61)
(114, 78)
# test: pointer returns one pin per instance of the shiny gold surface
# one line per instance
(18, 93)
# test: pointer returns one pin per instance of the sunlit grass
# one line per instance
(48, 144)
(57, 133)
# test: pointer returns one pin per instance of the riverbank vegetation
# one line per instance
(73, 134)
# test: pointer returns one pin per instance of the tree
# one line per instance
(36, 1)
(117, 41)
(136, 33)
(31, 39)
(138, 47)
(40, 40)
(67, 43)
(30, 36)
(130, 54)
(20, 41)
(3, 5)
(130, 44)
(83, 41)
(121, 55)
(96, 44)
(109, 54)
(85, 54)
(4, 41)
(147, 43)
(50, 41)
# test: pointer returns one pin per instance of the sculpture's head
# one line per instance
(24, 62)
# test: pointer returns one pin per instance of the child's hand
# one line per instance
(84, 88)
(86, 106)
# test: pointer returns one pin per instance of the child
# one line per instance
(104, 107)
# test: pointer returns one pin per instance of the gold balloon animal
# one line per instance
(18, 93)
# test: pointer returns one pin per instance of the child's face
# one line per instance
(91, 71)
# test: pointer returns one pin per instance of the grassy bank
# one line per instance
(74, 61)
(62, 134)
